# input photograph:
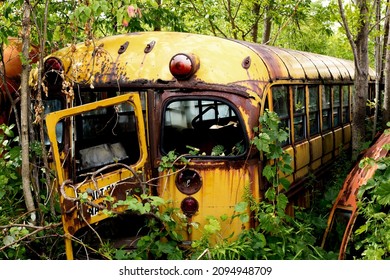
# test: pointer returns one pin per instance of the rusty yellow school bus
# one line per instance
(120, 104)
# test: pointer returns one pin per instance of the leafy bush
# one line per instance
(19, 239)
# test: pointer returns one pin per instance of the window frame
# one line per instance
(299, 113)
(336, 106)
(285, 119)
(233, 112)
(326, 98)
(314, 110)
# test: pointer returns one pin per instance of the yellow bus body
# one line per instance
(235, 77)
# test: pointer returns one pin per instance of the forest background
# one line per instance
(356, 30)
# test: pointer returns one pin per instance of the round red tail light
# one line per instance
(183, 66)
(52, 68)
(53, 64)
(188, 181)
(189, 206)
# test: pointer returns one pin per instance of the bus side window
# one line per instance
(299, 110)
(346, 104)
(326, 108)
(314, 112)
(336, 106)
(280, 99)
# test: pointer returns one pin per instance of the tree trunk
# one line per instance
(157, 25)
(360, 53)
(386, 99)
(255, 28)
(267, 23)
(28, 197)
(359, 113)
(386, 69)
(361, 82)
(378, 66)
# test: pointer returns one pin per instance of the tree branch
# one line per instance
(37, 229)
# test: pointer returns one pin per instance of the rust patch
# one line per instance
(78, 214)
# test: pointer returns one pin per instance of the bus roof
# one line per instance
(298, 65)
(143, 59)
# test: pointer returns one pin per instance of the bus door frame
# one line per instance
(54, 118)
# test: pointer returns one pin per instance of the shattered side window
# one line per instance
(202, 127)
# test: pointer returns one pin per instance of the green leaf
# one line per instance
(7, 240)
(282, 201)
(213, 226)
(287, 169)
(285, 183)
(241, 206)
(244, 218)
(362, 229)
(366, 162)
(383, 193)
(269, 172)
(224, 217)
(262, 142)
(157, 201)
(270, 194)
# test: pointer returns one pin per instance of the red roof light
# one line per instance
(183, 66)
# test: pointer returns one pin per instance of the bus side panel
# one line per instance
(222, 189)
(316, 152)
(302, 160)
(347, 136)
(327, 147)
(338, 140)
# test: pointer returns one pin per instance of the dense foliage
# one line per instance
(304, 24)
